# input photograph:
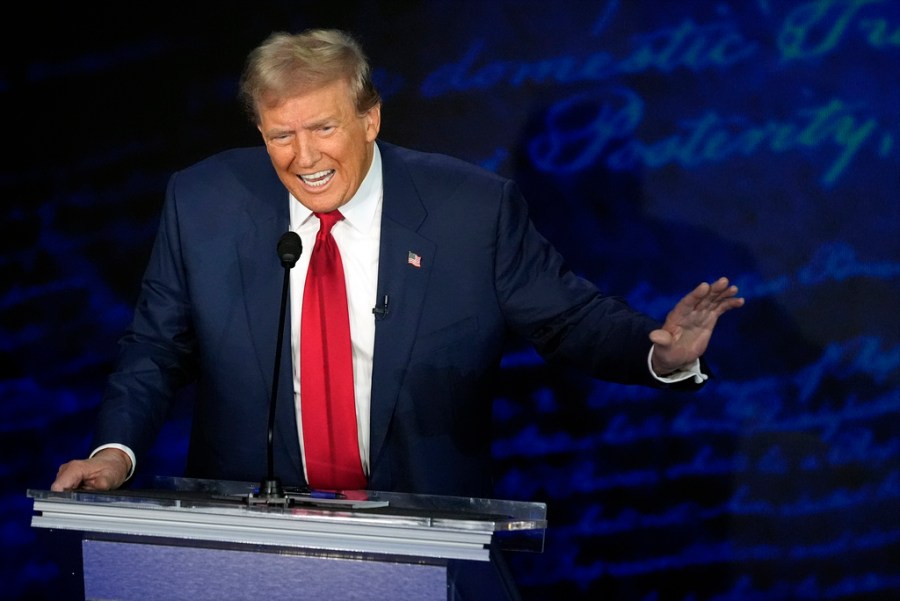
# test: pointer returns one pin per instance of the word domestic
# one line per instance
(688, 45)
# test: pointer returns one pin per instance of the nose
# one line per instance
(306, 154)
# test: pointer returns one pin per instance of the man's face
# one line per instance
(320, 147)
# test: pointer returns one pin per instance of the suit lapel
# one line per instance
(267, 218)
(262, 290)
(404, 284)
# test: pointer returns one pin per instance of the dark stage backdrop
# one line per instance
(659, 144)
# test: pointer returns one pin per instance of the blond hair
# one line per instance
(287, 64)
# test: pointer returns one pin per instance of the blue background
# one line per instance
(658, 143)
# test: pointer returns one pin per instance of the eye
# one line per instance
(280, 139)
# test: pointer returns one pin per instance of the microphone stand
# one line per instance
(270, 488)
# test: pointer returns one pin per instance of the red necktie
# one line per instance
(328, 408)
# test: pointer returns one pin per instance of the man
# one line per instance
(441, 264)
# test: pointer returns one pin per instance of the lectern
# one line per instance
(201, 539)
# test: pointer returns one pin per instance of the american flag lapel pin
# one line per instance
(414, 259)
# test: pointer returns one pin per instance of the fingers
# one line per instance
(69, 477)
(727, 298)
(720, 296)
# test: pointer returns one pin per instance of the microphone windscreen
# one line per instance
(289, 249)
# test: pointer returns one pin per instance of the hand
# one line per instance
(106, 470)
(685, 334)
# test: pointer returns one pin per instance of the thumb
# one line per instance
(661, 337)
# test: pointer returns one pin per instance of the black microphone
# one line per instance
(381, 310)
(289, 249)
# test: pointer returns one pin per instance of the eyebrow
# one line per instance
(278, 130)
(319, 123)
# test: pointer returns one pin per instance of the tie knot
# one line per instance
(327, 220)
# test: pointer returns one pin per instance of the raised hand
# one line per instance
(684, 336)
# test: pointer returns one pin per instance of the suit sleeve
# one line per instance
(156, 353)
(564, 316)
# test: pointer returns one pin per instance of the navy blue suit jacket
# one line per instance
(209, 305)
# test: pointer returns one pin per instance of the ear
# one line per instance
(373, 122)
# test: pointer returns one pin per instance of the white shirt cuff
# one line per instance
(122, 448)
(692, 370)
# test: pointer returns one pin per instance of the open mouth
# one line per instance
(317, 179)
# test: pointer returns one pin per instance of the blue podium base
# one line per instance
(138, 571)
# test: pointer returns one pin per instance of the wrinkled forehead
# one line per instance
(294, 87)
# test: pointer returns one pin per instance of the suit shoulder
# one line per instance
(251, 158)
(230, 173)
(437, 167)
(235, 182)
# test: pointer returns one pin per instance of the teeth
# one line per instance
(319, 178)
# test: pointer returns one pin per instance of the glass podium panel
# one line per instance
(356, 521)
